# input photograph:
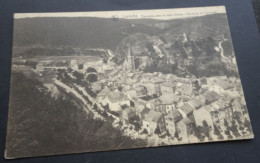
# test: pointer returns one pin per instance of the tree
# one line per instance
(145, 131)
(217, 132)
(196, 85)
(79, 76)
(70, 69)
(234, 129)
(131, 127)
(168, 133)
(237, 116)
(247, 125)
(177, 135)
(91, 78)
(137, 126)
(120, 123)
(124, 106)
(132, 104)
(95, 106)
(157, 131)
(105, 60)
(227, 131)
(80, 66)
(207, 129)
(199, 133)
(91, 69)
(120, 88)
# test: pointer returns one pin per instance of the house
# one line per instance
(152, 120)
(110, 82)
(157, 81)
(97, 65)
(184, 128)
(138, 110)
(167, 102)
(185, 89)
(202, 114)
(49, 76)
(224, 84)
(150, 88)
(186, 110)
(195, 103)
(96, 87)
(131, 93)
(167, 88)
(177, 116)
(220, 114)
(238, 105)
(74, 64)
(211, 96)
(156, 104)
(127, 114)
(141, 91)
(116, 100)
(232, 94)
(138, 101)
(126, 88)
(102, 94)
(216, 88)
(40, 67)
(170, 124)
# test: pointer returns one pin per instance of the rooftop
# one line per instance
(104, 92)
(153, 116)
(186, 121)
(195, 103)
(177, 116)
(168, 98)
(117, 96)
(186, 108)
(212, 96)
(139, 109)
(156, 80)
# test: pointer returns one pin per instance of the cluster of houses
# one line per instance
(162, 104)
(169, 103)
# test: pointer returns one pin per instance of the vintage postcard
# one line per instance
(98, 81)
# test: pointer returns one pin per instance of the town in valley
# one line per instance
(160, 108)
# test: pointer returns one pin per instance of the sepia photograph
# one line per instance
(110, 80)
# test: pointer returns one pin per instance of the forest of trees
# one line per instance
(40, 125)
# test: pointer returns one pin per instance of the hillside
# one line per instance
(41, 125)
(192, 44)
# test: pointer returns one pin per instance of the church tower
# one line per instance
(131, 58)
(129, 63)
